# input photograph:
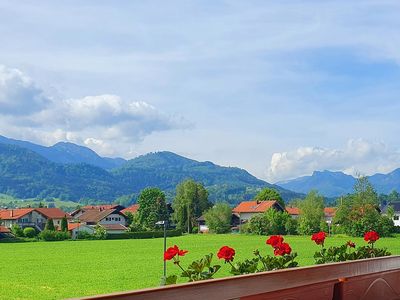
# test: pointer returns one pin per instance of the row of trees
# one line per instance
(356, 213)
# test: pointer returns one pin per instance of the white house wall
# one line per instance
(113, 219)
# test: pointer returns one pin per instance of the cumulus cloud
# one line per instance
(107, 123)
(18, 93)
(359, 156)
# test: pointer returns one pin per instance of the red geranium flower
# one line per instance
(351, 244)
(319, 238)
(282, 249)
(173, 251)
(274, 240)
(371, 237)
(226, 253)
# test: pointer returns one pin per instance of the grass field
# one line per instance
(56, 270)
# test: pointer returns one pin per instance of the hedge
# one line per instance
(143, 234)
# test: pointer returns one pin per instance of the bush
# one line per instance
(218, 218)
(17, 231)
(100, 232)
(50, 235)
(83, 235)
(29, 232)
(195, 230)
(144, 234)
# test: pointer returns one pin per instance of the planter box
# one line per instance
(367, 279)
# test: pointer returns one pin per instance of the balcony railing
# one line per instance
(376, 278)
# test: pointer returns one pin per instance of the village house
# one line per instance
(112, 220)
(32, 217)
(76, 213)
(329, 213)
(75, 228)
(247, 209)
(396, 215)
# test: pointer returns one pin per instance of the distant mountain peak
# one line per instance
(67, 152)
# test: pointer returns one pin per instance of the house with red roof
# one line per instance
(246, 209)
(80, 211)
(32, 217)
(75, 228)
(329, 213)
(131, 209)
(112, 220)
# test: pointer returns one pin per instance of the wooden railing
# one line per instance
(376, 278)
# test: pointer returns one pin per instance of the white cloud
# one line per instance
(359, 156)
(107, 123)
(18, 93)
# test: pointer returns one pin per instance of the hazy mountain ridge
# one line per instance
(67, 153)
(334, 184)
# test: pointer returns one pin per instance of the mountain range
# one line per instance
(334, 184)
(77, 173)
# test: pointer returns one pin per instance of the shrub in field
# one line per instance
(29, 232)
(100, 232)
(83, 235)
(17, 230)
(50, 235)
(64, 224)
(49, 225)
(218, 218)
(272, 222)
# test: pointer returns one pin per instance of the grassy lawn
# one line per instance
(54, 270)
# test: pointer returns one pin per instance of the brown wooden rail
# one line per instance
(377, 278)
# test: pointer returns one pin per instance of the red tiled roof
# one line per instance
(293, 211)
(253, 206)
(4, 230)
(100, 207)
(330, 211)
(53, 213)
(95, 215)
(72, 226)
(13, 214)
(132, 209)
(111, 227)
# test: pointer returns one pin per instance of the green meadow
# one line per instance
(56, 270)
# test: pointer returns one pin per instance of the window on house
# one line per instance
(396, 218)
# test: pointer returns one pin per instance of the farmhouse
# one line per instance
(329, 213)
(112, 220)
(80, 211)
(32, 217)
(246, 209)
(75, 228)
(396, 208)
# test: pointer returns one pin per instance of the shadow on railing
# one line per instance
(367, 279)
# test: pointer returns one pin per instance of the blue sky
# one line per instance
(280, 88)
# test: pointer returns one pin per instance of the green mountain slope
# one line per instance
(26, 174)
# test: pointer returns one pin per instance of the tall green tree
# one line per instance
(64, 224)
(357, 213)
(218, 218)
(312, 213)
(49, 225)
(190, 202)
(268, 194)
(152, 208)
